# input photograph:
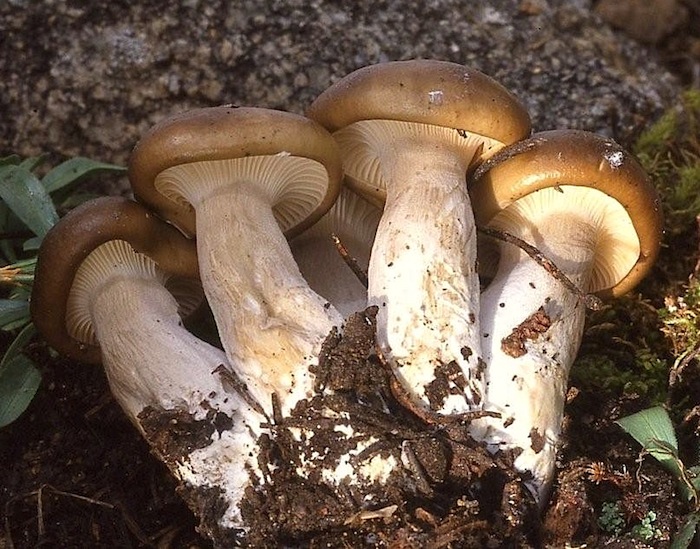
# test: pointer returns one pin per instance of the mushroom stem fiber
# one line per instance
(422, 276)
(270, 322)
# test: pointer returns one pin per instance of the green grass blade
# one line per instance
(27, 198)
(19, 381)
(71, 170)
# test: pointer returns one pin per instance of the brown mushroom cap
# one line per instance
(417, 101)
(72, 240)
(224, 133)
(423, 91)
(559, 158)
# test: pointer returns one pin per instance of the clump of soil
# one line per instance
(407, 480)
(444, 487)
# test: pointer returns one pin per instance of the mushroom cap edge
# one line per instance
(574, 157)
(74, 237)
(226, 132)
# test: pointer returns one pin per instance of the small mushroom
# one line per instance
(242, 178)
(588, 206)
(102, 292)
(409, 131)
(353, 220)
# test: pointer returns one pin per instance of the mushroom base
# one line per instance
(350, 466)
(437, 485)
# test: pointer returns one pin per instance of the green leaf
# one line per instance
(71, 170)
(32, 244)
(11, 311)
(17, 346)
(32, 163)
(11, 159)
(685, 535)
(27, 198)
(651, 427)
(693, 477)
(19, 381)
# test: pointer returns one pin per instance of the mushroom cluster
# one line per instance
(402, 163)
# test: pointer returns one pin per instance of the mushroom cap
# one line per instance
(437, 103)
(77, 235)
(425, 91)
(557, 158)
(224, 133)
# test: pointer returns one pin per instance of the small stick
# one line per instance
(403, 397)
(349, 260)
(591, 301)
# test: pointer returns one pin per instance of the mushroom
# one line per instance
(409, 132)
(588, 206)
(251, 175)
(101, 293)
(353, 220)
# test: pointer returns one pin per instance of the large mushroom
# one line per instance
(353, 221)
(102, 293)
(587, 206)
(409, 132)
(242, 179)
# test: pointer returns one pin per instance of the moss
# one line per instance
(632, 345)
(600, 374)
(681, 320)
(670, 152)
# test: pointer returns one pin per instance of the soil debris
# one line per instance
(405, 482)
(529, 329)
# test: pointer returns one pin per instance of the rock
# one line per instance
(90, 80)
(648, 21)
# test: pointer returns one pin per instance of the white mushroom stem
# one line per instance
(151, 360)
(532, 325)
(270, 322)
(422, 269)
(354, 221)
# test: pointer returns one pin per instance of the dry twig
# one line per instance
(591, 301)
(350, 260)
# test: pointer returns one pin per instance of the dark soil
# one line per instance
(78, 474)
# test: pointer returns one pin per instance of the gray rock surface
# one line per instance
(89, 77)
